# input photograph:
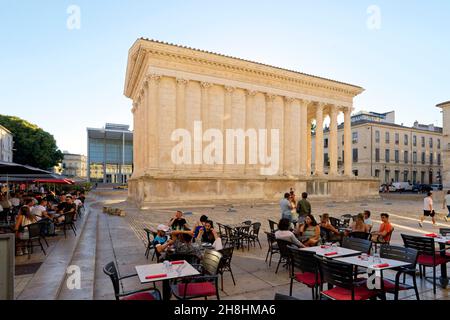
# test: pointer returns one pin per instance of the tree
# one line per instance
(32, 145)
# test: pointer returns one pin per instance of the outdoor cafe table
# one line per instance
(340, 252)
(176, 271)
(238, 229)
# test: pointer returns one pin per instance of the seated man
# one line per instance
(69, 207)
(384, 233)
(178, 222)
(327, 230)
(367, 219)
(283, 233)
(162, 241)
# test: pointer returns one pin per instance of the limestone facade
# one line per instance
(446, 143)
(174, 87)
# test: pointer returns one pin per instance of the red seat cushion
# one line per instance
(307, 278)
(361, 293)
(389, 286)
(139, 296)
(201, 289)
(427, 260)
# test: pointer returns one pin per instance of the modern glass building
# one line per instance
(109, 154)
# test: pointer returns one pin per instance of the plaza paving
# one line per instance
(103, 238)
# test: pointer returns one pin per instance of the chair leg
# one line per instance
(267, 255)
(221, 281)
(258, 243)
(290, 287)
(232, 276)
(313, 293)
(415, 288)
(270, 259)
(279, 261)
(434, 279)
(42, 247)
(420, 272)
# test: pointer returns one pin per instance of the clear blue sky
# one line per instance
(66, 80)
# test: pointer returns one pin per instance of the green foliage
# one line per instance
(33, 146)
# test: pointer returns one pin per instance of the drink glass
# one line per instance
(376, 258)
(364, 257)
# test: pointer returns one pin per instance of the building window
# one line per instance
(326, 160)
(431, 158)
(377, 173)
(325, 143)
(355, 173)
(387, 155)
(405, 139)
(387, 177)
(377, 155)
(397, 175)
(423, 142)
(405, 176)
(355, 155)
(397, 157)
(355, 137)
(422, 176)
(342, 139)
(387, 138)
(405, 156)
(438, 143)
(414, 141)
(414, 157)
(431, 142)
(377, 136)
(397, 138)
(423, 158)
(414, 177)
(439, 159)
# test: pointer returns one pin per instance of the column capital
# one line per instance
(205, 85)
(251, 93)
(270, 96)
(305, 101)
(153, 77)
(182, 82)
(289, 99)
(320, 104)
(229, 89)
(134, 107)
(347, 109)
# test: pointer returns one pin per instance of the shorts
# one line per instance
(428, 213)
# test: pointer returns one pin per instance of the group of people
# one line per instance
(298, 226)
(180, 237)
(24, 208)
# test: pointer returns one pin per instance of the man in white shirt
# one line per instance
(15, 201)
(447, 203)
(40, 210)
(428, 210)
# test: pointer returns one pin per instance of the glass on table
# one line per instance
(376, 258)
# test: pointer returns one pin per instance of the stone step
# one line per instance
(83, 260)
(47, 281)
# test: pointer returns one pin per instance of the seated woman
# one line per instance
(24, 219)
(283, 233)
(359, 226)
(329, 232)
(311, 231)
(200, 225)
(207, 234)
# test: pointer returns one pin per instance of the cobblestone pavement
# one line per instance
(254, 278)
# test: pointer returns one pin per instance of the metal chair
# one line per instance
(285, 254)
(444, 231)
(273, 226)
(309, 270)
(145, 294)
(225, 264)
(253, 235)
(68, 223)
(382, 240)
(35, 234)
(150, 244)
(272, 246)
(359, 235)
(408, 255)
(357, 244)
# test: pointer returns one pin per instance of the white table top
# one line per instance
(355, 260)
(340, 251)
(176, 271)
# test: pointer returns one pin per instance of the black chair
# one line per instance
(144, 294)
(357, 244)
(382, 240)
(273, 226)
(190, 258)
(253, 236)
(68, 223)
(285, 254)
(150, 244)
(335, 222)
(345, 286)
(248, 222)
(308, 265)
(408, 255)
(272, 246)
(444, 231)
(232, 238)
(206, 284)
(35, 235)
(360, 235)
(428, 256)
(225, 264)
(222, 232)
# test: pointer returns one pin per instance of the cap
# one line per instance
(162, 227)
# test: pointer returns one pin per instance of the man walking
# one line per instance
(447, 203)
(303, 208)
(428, 210)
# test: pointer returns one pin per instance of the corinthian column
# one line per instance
(333, 145)
(319, 139)
(303, 124)
(249, 124)
(347, 142)
(135, 164)
(227, 123)
(309, 148)
(152, 120)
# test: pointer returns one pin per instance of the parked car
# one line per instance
(391, 188)
(403, 186)
(436, 186)
(422, 188)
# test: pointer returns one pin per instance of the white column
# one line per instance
(333, 143)
(348, 142)
(227, 123)
(303, 124)
(135, 152)
(153, 124)
(205, 115)
(309, 148)
(181, 109)
(249, 108)
(319, 139)
(288, 150)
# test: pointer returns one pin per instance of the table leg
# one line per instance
(167, 293)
